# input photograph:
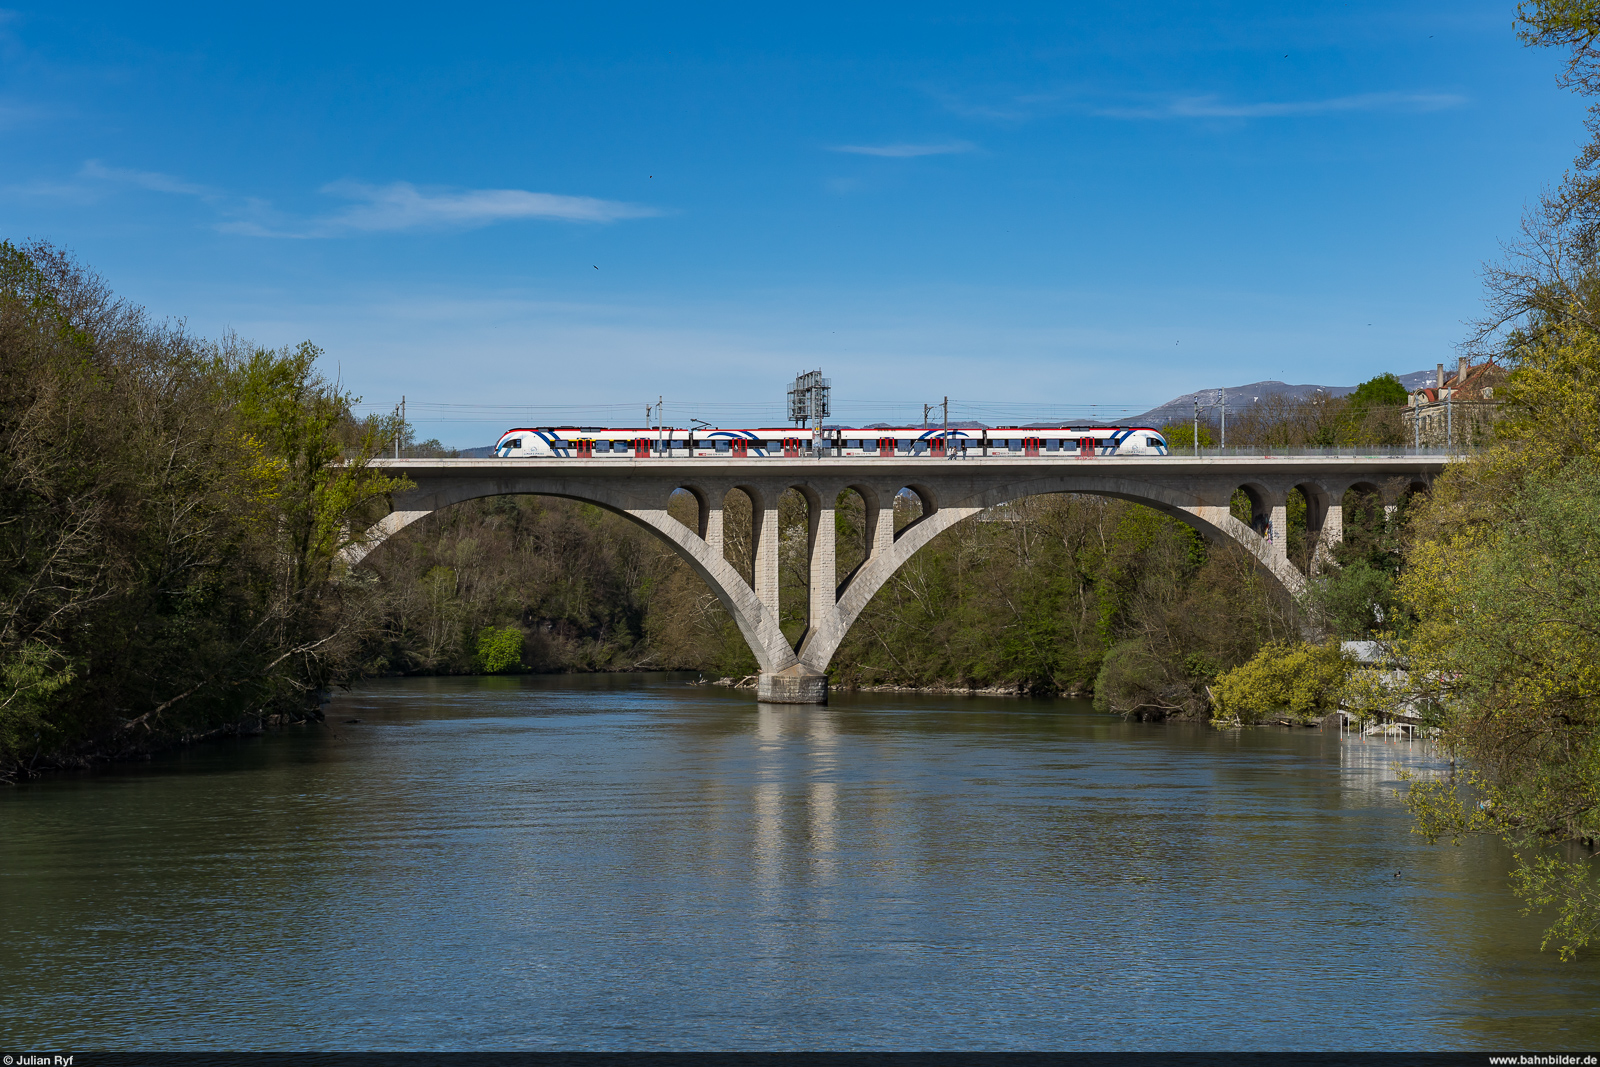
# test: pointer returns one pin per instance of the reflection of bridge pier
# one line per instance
(1197, 492)
(782, 731)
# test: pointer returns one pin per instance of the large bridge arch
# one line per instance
(1195, 492)
(1216, 523)
(701, 552)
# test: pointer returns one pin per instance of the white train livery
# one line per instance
(595, 442)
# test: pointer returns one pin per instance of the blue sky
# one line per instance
(549, 213)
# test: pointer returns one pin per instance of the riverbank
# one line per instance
(749, 682)
(135, 744)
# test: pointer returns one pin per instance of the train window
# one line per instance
(1013, 444)
(1052, 445)
(722, 446)
(514, 443)
(1153, 442)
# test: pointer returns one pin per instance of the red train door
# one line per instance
(791, 447)
(739, 448)
(584, 448)
(936, 446)
(886, 446)
(1085, 447)
(1030, 446)
(641, 448)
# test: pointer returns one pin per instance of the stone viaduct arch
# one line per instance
(1195, 492)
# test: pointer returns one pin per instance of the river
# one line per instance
(627, 862)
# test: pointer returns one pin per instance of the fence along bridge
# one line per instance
(1196, 491)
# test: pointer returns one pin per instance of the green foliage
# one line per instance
(1544, 881)
(1131, 679)
(1180, 437)
(171, 513)
(1503, 581)
(30, 678)
(1570, 24)
(1359, 596)
(1556, 383)
(1384, 390)
(498, 650)
(281, 403)
(1371, 693)
(1501, 574)
(1508, 638)
(588, 589)
(1296, 677)
(1241, 507)
(1069, 594)
(1356, 600)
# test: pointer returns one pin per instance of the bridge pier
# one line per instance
(822, 537)
(764, 517)
(1329, 535)
(794, 685)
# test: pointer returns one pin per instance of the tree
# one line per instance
(1297, 678)
(1180, 437)
(1383, 390)
(1507, 653)
(499, 649)
(171, 517)
(1502, 575)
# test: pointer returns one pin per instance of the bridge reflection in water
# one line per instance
(1198, 492)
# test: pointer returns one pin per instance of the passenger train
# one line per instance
(586, 442)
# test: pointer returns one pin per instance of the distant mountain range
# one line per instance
(1240, 397)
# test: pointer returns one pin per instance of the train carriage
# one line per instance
(645, 442)
(595, 442)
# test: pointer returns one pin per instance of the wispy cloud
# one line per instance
(396, 207)
(145, 179)
(402, 206)
(1213, 107)
(1023, 107)
(905, 151)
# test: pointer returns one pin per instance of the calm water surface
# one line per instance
(626, 863)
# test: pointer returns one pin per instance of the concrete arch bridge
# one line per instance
(1194, 491)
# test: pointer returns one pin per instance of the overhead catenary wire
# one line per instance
(909, 411)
